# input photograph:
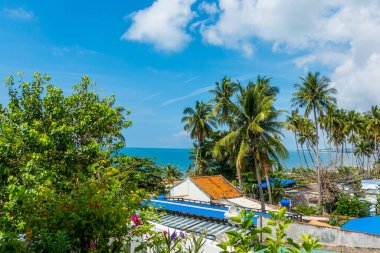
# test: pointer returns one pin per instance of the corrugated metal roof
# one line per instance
(216, 187)
(198, 225)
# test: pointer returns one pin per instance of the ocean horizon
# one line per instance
(180, 157)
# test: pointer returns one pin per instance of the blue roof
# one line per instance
(193, 208)
(190, 208)
(284, 182)
(370, 225)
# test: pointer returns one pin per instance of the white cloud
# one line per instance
(192, 94)
(163, 24)
(342, 35)
(19, 13)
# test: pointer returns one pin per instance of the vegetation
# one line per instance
(171, 173)
(198, 123)
(276, 240)
(352, 207)
(63, 182)
(245, 144)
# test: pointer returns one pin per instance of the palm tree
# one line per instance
(199, 123)
(352, 127)
(373, 126)
(223, 93)
(171, 173)
(315, 95)
(307, 135)
(293, 124)
(363, 149)
(327, 122)
(255, 129)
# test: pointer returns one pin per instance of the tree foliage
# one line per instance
(61, 172)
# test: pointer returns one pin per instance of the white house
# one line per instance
(214, 189)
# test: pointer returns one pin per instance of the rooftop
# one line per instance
(213, 228)
(216, 187)
(370, 225)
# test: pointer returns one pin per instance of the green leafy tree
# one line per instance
(60, 169)
(351, 206)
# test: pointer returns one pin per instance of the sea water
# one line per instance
(181, 157)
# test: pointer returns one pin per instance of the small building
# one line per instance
(214, 189)
(205, 188)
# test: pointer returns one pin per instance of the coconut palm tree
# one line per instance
(315, 95)
(199, 123)
(363, 150)
(255, 129)
(307, 136)
(293, 124)
(373, 126)
(223, 93)
(352, 128)
(171, 173)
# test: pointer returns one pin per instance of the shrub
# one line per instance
(351, 206)
(306, 210)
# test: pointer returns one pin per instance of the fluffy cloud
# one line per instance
(163, 24)
(343, 35)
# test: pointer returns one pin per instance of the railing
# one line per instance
(293, 216)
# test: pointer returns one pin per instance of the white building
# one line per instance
(214, 189)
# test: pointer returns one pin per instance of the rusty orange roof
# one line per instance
(216, 187)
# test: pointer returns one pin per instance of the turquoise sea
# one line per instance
(180, 157)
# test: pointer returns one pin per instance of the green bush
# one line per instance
(351, 206)
(306, 210)
(64, 186)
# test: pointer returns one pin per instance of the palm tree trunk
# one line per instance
(258, 175)
(269, 188)
(304, 156)
(308, 150)
(376, 154)
(196, 159)
(368, 167)
(238, 174)
(352, 154)
(298, 150)
(324, 141)
(317, 160)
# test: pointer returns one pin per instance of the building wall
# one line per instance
(335, 238)
(187, 187)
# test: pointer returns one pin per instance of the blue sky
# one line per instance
(161, 56)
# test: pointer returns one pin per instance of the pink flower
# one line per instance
(92, 245)
(136, 220)
(165, 232)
